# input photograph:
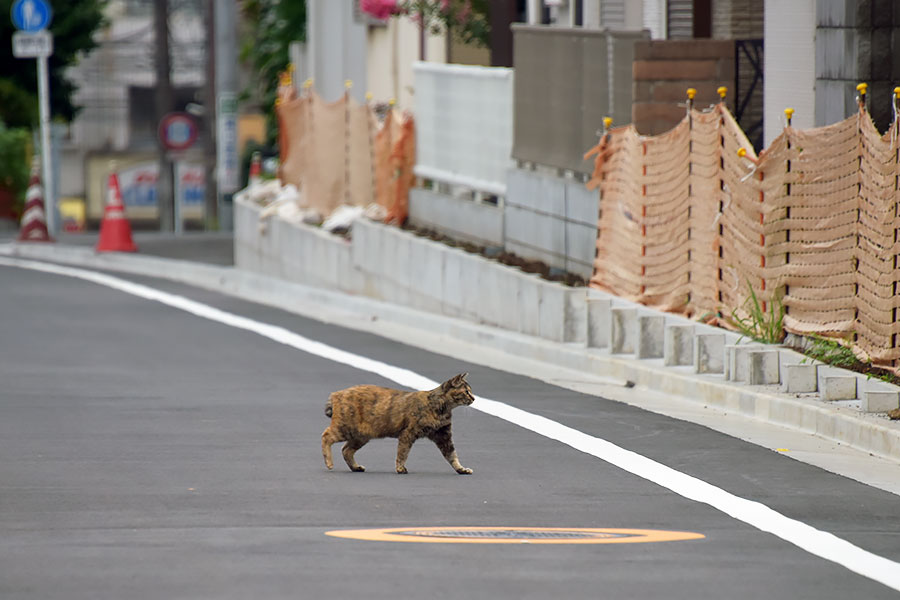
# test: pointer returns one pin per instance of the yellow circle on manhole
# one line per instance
(515, 535)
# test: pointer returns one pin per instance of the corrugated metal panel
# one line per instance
(655, 18)
(680, 19)
(464, 124)
(562, 91)
(612, 14)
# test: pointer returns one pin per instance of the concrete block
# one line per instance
(880, 401)
(835, 384)
(763, 367)
(738, 362)
(453, 299)
(575, 321)
(552, 311)
(529, 300)
(709, 353)
(581, 244)
(582, 205)
(599, 322)
(678, 345)
(536, 191)
(799, 378)
(460, 218)
(650, 335)
(533, 234)
(623, 330)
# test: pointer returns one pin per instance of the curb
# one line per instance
(800, 412)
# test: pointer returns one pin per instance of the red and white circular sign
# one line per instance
(177, 131)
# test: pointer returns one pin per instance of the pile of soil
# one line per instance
(502, 256)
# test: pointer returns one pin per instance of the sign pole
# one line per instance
(44, 104)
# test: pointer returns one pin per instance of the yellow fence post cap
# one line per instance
(392, 101)
(607, 122)
(722, 91)
(897, 92)
(862, 87)
(368, 96)
(308, 83)
(691, 92)
(789, 112)
(742, 152)
(348, 83)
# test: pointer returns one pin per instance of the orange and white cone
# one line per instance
(115, 231)
(255, 175)
(33, 227)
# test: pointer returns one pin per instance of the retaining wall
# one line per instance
(393, 265)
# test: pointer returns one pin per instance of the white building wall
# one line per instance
(790, 65)
(392, 50)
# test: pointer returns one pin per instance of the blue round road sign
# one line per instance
(31, 16)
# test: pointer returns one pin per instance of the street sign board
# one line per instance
(32, 45)
(31, 16)
(227, 142)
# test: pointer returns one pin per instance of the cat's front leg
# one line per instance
(443, 438)
(404, 443)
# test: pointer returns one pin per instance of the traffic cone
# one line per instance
(33, 227)
(115, 231)
(255, 174)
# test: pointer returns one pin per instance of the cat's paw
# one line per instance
(464, 471)
(358, 469)
(402, 471)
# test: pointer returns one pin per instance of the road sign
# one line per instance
(32, 45)
(31, 16)
(177, 131)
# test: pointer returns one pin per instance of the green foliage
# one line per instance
(271, 27)
(831, 352)
(766, 326)
(73, 26)
(14, 160)
(468, 20)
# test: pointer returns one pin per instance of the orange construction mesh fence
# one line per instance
(338, 153)
(687, 225)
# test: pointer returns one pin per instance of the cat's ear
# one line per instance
(448, 385)
(459, 379)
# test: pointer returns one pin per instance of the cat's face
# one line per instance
(458, 391)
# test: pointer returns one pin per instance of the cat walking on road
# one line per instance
(365, 412)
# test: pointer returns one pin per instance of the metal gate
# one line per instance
(748, 89)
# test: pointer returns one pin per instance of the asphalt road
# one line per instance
(150, 453)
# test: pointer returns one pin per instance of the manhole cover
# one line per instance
(515, 535)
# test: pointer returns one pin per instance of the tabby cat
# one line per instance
(364, 412)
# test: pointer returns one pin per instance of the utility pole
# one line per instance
(211, 196)
(226, 107)
(165, 198)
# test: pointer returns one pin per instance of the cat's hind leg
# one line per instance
(329, 437)
(349, 450)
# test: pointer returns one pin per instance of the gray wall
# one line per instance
(566, 81)
(551, 219)
(856, 41)
(543, 217)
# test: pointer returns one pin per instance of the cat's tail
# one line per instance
(328, 408)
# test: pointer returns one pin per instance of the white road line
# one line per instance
(814, 541)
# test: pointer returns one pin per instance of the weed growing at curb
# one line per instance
(766, 326)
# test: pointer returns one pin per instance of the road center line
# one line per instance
(814, 541)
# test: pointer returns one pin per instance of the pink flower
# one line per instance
(465, 13)
(380, 9)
